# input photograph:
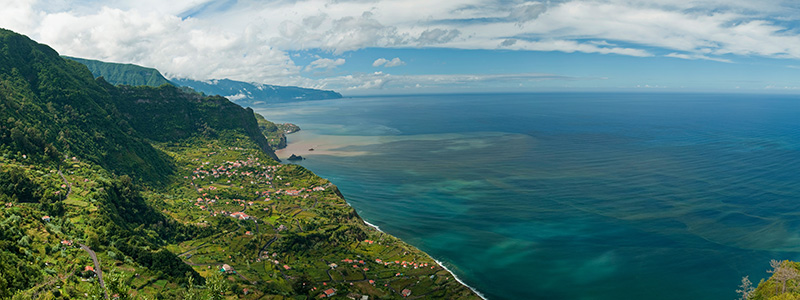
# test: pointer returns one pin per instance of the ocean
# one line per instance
(570, 195)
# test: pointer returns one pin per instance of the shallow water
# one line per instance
(570, 196)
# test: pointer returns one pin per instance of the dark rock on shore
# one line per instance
(295, 157)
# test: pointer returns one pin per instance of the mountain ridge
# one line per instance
(240, 92)
(127, 74)
(254, 93)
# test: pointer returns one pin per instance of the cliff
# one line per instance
(154, 192)
(125, 74)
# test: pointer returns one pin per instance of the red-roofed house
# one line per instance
(406, 293)
(330, 292)
(240, 215)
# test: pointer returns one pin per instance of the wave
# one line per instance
(372, 225)
(459, 280)
(438, 262)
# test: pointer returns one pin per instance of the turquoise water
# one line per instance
(570, 196)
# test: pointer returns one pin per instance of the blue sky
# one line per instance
(361, 47)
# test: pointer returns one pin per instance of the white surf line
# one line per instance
(438, 262)
(459, 279)
(372, 225)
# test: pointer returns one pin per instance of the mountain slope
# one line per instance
(166, 113)
(127, 74)
(213, 216)
(52, 107)
(249, 94)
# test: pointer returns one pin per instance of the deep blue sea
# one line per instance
(570, 195)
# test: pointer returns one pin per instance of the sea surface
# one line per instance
(570, 195)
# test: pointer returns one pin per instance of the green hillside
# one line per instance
(152, 193)
(53, 107)
(126, 74)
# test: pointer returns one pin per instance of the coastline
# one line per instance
(440, 263)
(297, 145)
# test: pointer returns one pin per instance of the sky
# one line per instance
(362, 47)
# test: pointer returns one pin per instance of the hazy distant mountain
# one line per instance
(127, 74)
(244, 93)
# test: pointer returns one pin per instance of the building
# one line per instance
(240, 216)
(406, 292)
(226, 268)
(46, 218)
(329, 292)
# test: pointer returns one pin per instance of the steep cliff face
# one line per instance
(53, 107)
(167, 113)
(127, 74)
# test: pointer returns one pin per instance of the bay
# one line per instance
(569, 195)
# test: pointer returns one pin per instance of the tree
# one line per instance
(191, 293)
(217, 285)
(782, 272)
(746, 289)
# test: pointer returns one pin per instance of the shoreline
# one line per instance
(440, 263)
(376, 227)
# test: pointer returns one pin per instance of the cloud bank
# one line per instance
(249, 40)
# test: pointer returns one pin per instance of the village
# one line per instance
(278, 230)
(276, 207)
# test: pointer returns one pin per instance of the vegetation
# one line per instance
(275, 133)
(242, 92)
(154, 193)
(123, 74)
(784, 284)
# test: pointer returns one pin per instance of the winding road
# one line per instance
(69, 185)
(97, 269)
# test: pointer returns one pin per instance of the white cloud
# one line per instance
(395, 62)
(697, 56)
(249, 40)
(437, 36)
(238, 96)
(325, 63)
(179, 48)
(380, 80)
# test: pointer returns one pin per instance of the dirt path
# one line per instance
(69, 185)
(97, 269)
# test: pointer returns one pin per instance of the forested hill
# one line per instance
(138, 192)
(127, 74)
(53, 107)
(167, 113)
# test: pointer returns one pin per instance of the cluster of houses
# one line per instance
(240, 215)
(230, 169)
(256, 173)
